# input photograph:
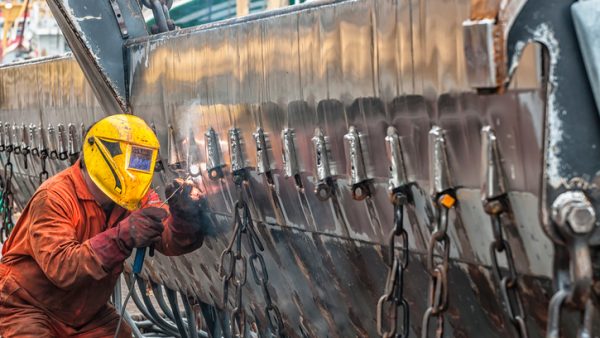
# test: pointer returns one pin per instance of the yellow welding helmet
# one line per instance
(119, 153)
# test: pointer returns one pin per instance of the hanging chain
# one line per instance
(6, 203)
(160, 10)
(574, 217)
(393, 302)
(233, 270)
(438, 269)
(508, 283)
(43, 158)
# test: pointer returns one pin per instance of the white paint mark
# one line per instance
(89, 17)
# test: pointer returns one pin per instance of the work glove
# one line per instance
(140, 229)
(188, 206)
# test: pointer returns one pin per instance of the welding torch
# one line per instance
(140, 253)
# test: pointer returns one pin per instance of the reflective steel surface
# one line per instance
(313, 74)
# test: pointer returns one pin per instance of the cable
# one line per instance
(135, 275)
(133, 279)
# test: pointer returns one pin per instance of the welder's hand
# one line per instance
(188, 207)
(184, 202)
(142, 227)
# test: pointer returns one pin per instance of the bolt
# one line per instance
(574, 209)
(581, 218)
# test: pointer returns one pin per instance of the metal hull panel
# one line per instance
(368, 64)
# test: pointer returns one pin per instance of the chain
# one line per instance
(6, 203)
(573, 217)
(438, 269)
(568, 294)
(43, 158)
(233, 270)
(160, 10)
(508, 283)
(565, 296)
(392, 302)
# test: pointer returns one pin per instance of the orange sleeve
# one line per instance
(175, 240)
(52, 235)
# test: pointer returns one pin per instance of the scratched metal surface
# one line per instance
(369, 64)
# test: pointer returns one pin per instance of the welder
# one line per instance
(68, 248)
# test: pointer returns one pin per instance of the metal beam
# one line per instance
(96, 31)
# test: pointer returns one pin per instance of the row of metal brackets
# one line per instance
(60, 143)
(359, 179)
(64, 143)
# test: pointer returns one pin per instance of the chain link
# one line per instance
(438, 268)
(6, 202)
(44, 173)
(508, 283)
(233, 270)
(160, 10)
(393, 302)
(567, 294)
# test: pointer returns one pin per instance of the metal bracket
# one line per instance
(2, 138)
(52, 142)
(439, 170)
(359, 180)
(483, 69)
(322, 152)
(214, 157)
(493, 179)
(174, 162)
(398, 175)
(25, 141)
(33, 139)
(62, 142)
(290, 160)
(238, 158)
(120, 19)
(73, 140)
(193, 156)
(16, 146)
(263, 164)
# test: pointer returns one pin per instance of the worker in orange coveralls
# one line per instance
(66, 252)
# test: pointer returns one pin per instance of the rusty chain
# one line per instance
(393, 302)
(573, 217)
(43, 175)
(508, 283)
(438, 269)
(566, 296)
(233, 270)
(6, 203)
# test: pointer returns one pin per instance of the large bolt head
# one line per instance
(581, 218)
(573, 209)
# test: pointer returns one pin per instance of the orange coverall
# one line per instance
(52, 283)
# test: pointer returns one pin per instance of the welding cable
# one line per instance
(135, 330)
(172, 297)
(134, 275)
(159, 320)
(169, 329)
(191, 317)
(147, 309)
(160, 299)
(212, 320)
(125, 305)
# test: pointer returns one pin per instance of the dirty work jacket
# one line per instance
(49, 256)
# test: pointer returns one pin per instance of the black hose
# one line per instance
(191, 317)
(153, 314)
(211, 319)
(172, 297)
(160, 299)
